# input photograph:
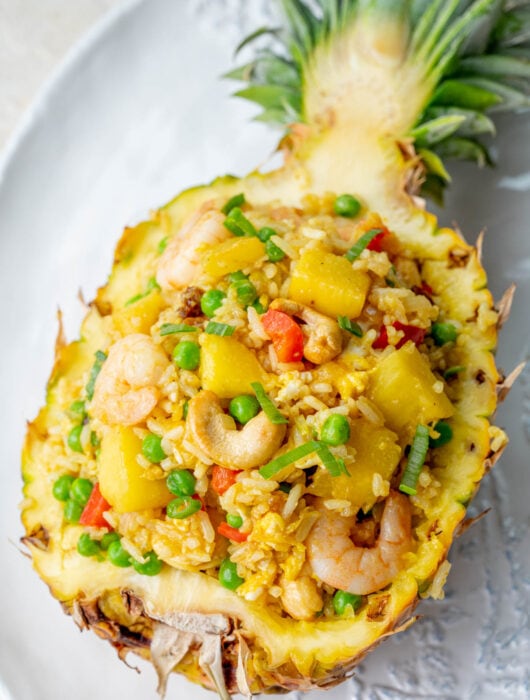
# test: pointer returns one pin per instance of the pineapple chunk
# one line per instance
(139, 316)
(328, 283)
(228, 367)
(121, 479)
(402, 387)
(231, 255)
(377, 452)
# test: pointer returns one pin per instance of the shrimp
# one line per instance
(180, 262)
(125, 392)
(337, 561)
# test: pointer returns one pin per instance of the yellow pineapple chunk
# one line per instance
(121, 479)
(139, 316)
(228, 367)
(328, 283)
(406, 391)
(376, 452)
(231, 255)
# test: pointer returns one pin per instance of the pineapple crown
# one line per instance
(469, 58)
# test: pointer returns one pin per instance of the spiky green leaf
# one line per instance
(434, 164)
(436, 130)
(461, 94)
(473, 123)
(464, 149)
(495, 65)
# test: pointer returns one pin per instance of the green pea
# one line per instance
(77, 410)
(61, 487)
(234, 520)
(342, 601)
(72, 511)
(81, 490)
(266, 233)
(336, 430)
(86, 546)
(152, 448)
(237, 276)
(107, 539)
(347, 205)
(243, 408)
(445, 434)
(182, 507)
(443, 333)
(181, 482)
(274, 253)
(187, 355)
(117, 555)
(211, 301)
(74, 439)
(151, 567)
(228, 576)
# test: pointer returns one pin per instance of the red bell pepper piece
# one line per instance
(413, 333)
(93, 511)
(222, 479)
(377, 244)
(286, 335)
(232, 533)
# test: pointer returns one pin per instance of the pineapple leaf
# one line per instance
(473, 122)
(430, 132)
(275, 97)
(262, 31)
(464, 149)
(434, 164)
(509, 98)
(460, 94)
(497, 65)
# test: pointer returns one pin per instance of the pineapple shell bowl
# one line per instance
(152, 520)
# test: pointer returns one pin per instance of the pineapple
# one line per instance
(375, 95)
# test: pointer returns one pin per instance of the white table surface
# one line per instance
(34, 36)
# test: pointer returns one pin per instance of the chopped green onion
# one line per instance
(276, 465)
(418, 452)
(267, 405)
(452, 371)
(170, 328)
(361, 244)
(266, 233)
(162, 245)
(96, 369)
(445, 434)
(443, 333)
(347, 325)
(214, 328)
(238, 224)
(236, 201)
(334, 465)
(152, 284)
(274, 252)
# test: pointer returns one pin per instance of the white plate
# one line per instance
(135, 114)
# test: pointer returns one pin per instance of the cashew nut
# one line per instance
(324, 339)
(215, 433)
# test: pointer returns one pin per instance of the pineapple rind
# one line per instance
(289, 648)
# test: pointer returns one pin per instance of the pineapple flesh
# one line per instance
(377, 94)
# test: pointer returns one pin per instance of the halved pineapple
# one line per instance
(381, 91)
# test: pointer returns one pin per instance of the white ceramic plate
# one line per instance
(137, 113)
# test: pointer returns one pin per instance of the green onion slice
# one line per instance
(238, 224)
(267, 405)
(96, 369)
(334, 465)
(452, 371)
(152, 284)
(418, 452)
(361, 244)
(236, 201)
(214, 328)
(170, 328)
(276, 465)
(348, 325)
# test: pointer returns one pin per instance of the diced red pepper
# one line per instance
(222, 479)
(413, 333)
(232, 533)
(377, 244)
(93, 511)
(286, 335)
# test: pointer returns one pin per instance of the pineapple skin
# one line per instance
(270, 653)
